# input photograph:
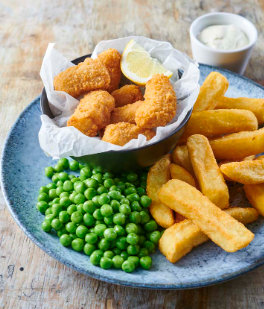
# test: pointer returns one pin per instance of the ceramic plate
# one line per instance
(23, 164)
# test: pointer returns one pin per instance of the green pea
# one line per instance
(128, 266)
(145, 262)
(133, 197)
(130, 191)
(105, 263)
(115, 205)
(125, 209)
(71, 209)
(71, 227)
(145, 201)
(136, 206)
(81, 231)
(88, 249)
(49, 171)
(143, 252)
(48, 211)
(64, 162)
(63, 176)
(115, 195)
(65, 240)
(150, 246)
(58, 168)
(106, 210)
(99, 229)
(99, 222)
(43, 197)
(56, 224)
(52, 194)
(77, 244)
(150, 226)
(55, 177)
(98, 177)
(144, 216)
(133, 249)
(59, 190)
(119, 219)
(97, 169)
(124, 201)
(89, 207)
(120, 231)
(121, 243)
(42, 206)
(109, 221)
(108, 183)
(64, 217)
(96, 257)
(91, 183)
(76, 217)
(116, 251)
(132, 177)
(46, 226)
(73, 236)
(108, 175)
(101, 190)
(65, 202)
(91, 238)
(64, 194)
(124, 255)
(88, 219)
(110, 234)
(61, 232)
(95, 200)
(67, 185)
(109, 254)
(141, 191)
(132, 238)
(134, 259)
(51, 185)
(80, 208)
(79, 187)
(49, 217)
(121, 185)
(131, 228)
(90, 193)
(56, 209)
(43, 189)
(104, 244)
(155, 237)
(74, 165)
(85, 173)
(72, 196)
(117, 261)
(79, 198)
(81, 166)
(135, 217)
(97, 214)
(104, 199)
(73, 179)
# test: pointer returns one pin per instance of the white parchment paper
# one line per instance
(58, 140)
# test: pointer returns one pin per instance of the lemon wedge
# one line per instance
(138, 66)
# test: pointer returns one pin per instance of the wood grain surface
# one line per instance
(29, 278)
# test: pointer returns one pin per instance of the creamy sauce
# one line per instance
(225, 37)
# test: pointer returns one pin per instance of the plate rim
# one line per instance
(95, 275)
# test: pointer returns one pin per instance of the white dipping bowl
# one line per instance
(236, 59)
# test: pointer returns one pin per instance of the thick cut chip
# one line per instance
(254, 105)
(237, 146)
(214, 86)
(220, 227)
(178, 172)
(182, 237)
(162, 214)
(206, 170)
(255, 195)
(213, 123)
(159, 174)
(246, 172)
(180, 156)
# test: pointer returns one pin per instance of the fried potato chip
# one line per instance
(178, 172)
(213, 123)
(237, 146)
(162, 214)
(180, 156)
(182, 237)
(255, 195)
(214, 86)
(206, 170)
(246, 172)
(254, 105)
(159, 174)
(220, 227)
(249, 158)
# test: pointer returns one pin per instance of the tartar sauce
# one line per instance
(223, 37)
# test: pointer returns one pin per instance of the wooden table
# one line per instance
(29, 278)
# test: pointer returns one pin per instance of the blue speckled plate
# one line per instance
(23, 163)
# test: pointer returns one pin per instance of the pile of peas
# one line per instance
(103, 215)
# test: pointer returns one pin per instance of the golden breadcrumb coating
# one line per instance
(125, 113)
(160, 103)
(127, 94)
(86, 76)
(122, 132)
(111, 60)
(93, 112)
